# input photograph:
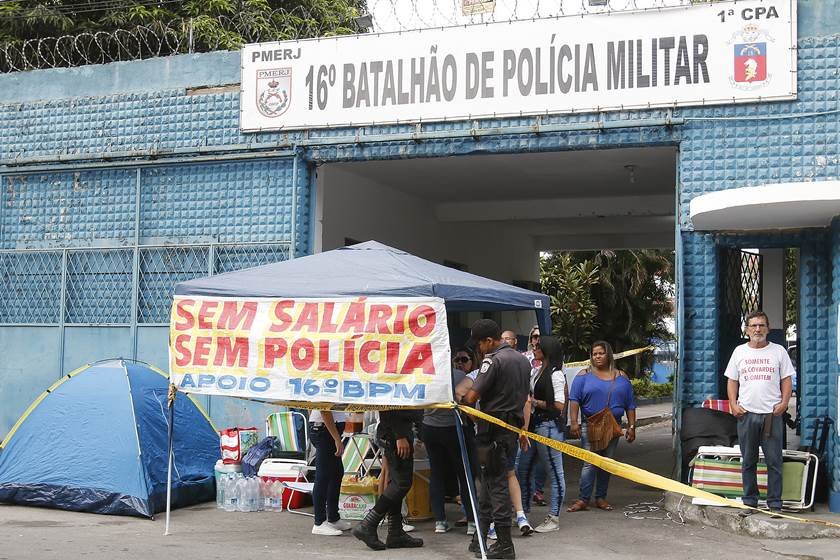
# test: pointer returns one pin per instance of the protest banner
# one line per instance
(372, 351)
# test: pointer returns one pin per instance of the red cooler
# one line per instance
(285, 470)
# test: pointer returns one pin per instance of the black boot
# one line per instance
(397, 537)
(503, 547)
(365, 531)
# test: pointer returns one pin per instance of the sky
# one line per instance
(402, 15)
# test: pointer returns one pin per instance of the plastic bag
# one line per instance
(235, 443)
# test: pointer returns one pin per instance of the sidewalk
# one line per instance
(653, 413)
(206, 533)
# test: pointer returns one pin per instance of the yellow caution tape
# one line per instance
(612, 466)
(624, 470)
(618, 356)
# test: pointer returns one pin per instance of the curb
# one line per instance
(657, 400)
(657, 419)
(761, 526)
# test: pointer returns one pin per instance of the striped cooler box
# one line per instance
(723, 477)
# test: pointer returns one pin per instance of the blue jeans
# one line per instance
(750, 437)
(593, 476)
(553, 460)
(328, 473)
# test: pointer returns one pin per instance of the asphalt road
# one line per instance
(203, 532)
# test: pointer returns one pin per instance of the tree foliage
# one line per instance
(208, 24)
(573, 308)
(624, 297)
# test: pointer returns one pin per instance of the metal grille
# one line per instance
(741, 288)
(99, 286)
(740, 294)
(31, 286)
(100, 283)
(160, 269)
(237, 257)
(750, 286)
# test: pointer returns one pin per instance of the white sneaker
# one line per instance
(491, 533)
(551, 523)
(326, 530)
(341, 524)
(524, 526)
(441, 527)
(470, 528)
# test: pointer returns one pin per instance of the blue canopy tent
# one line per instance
(372, 269)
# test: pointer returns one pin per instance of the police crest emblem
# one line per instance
(274, 91)
(749, 71)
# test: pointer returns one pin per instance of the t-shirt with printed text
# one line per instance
(759, 372)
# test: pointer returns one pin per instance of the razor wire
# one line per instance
(209, 33)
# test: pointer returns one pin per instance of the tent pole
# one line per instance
(172, 392)
(465, 459)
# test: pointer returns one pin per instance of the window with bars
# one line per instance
(98, 284)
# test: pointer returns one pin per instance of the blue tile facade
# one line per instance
(257, 201)
(831, 385)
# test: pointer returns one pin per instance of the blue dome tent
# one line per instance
(96, 441)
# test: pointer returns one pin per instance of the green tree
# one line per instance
(150, 27)
(634, 295)
(573, 308)
(623, 297)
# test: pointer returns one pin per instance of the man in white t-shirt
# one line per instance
(760, 381)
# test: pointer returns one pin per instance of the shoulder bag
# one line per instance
(601, 427)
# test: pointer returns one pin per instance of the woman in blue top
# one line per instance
(590, 392)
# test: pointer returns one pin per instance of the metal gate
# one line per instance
(740, 295)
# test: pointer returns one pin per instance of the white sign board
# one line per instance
(727, 52)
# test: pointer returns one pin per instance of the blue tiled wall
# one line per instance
(230, 202)
(56, 207)
(831, 386)
(720, 148)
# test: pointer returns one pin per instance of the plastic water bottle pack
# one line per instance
(248, 494)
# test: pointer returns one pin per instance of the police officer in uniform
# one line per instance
(502, 384)
(396, 432)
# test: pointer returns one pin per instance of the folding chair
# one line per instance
(361, 455)
(359, 458)
(292, 433)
